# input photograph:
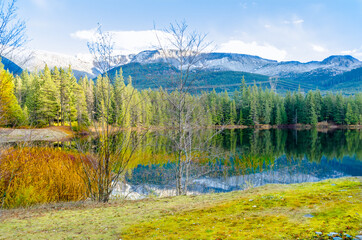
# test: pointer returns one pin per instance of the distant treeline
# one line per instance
(55, 96)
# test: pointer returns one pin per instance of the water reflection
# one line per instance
(238, 159)
(247, 158)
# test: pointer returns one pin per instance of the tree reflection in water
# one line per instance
(240, 159)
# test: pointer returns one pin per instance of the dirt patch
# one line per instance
(29, 135)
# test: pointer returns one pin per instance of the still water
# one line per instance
(243, 158)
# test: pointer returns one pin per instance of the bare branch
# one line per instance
(12, 30)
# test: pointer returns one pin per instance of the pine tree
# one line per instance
(63, 94)
(88, 89)
(57, 80)
(254, 106)
(352, 115)
(349, 114)
(47, 97)
(32, 99)
(339, 112)
(284, 114)
(318, 104)
(69, 101)
(278, 117)
(23, 92)
(312, 117)
(267, 111)
(241, 117)
(233, 114)
(289, 105)
(82, 113)
(300, 109)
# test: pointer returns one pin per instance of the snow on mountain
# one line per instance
(83, 64)
(36, 60)
(332, 65)
(253, 64)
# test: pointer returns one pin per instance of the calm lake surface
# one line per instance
(243, 158)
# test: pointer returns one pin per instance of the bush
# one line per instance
(41, 175)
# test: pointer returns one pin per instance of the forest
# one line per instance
(55, 97)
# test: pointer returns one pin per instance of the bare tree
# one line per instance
(115, 145)
(12, 30)
(182, 51)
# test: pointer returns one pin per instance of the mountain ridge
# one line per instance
(336, 64)
(317, 73)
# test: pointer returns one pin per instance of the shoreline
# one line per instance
(301, 207)
(64, 133)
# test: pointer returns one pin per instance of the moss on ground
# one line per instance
(268, 212)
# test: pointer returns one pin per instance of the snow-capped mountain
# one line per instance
(36, 60)
(253, 64)
(82, 65)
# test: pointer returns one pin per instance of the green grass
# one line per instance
(268, 212)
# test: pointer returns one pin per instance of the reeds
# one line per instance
(32, 175)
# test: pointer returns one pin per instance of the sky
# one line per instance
(283, 30)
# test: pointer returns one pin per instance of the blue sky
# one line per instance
(283, 30)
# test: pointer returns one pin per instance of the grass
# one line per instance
(267, 212)
(34, 175)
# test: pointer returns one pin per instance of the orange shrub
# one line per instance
(41, 175)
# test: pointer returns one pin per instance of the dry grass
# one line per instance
(40, 175)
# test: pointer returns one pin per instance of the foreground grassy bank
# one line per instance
(270, 212)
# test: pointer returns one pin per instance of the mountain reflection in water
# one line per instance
(246, 158)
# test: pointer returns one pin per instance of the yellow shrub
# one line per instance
(41, 175)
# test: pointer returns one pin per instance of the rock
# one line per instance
(347, 235)
(333, 184)
(337, 238)
(332, 234)
(319, 233)
(308, 216)
(359, 237)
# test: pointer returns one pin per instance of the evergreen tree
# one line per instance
(318, 104)
(267, 111)
(32, 100)
(241, 117)
(352, 116)
(57, 80)
(233, 114)
(81, 105)
(312, 117)
(254, 106)
(278, 117)
(300, 109)
(49, 107)
(289, 105)
(339, 113)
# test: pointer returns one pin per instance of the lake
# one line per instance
(236, 159)
(243, 158)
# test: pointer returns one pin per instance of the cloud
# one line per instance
(298, 21)
(127, 42)
(264, 50)
(41, 3)
(295, 21)
(319, 48)
(88, 35)
(354, 52)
